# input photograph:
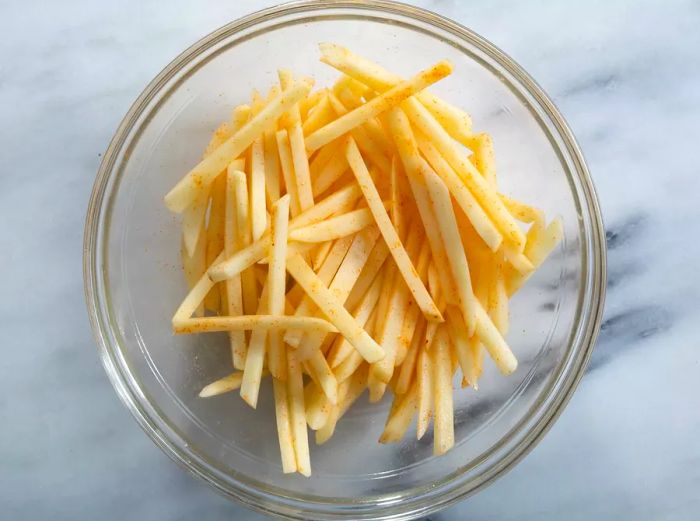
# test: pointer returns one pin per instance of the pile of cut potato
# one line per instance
(351, 238)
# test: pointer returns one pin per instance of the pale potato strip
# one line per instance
(272, 161)
(193, 219)
(249, 285)
(407, 368)
(321, 115)
(374, 263)
(196, 265)
(296, 141)
(376, 387)
(325, 274)
(358, 384)
(521, 211)
(276, 276)
(233, 290)
(239, 117)
(325, 155)
(342, 349)
(326, 431)
(462, 346)
(255, 356)
(498, 301)
(256, 251)
(403, 262)
(202, 175)
(456, 158)
(424, 376)
(257, 188)
(196, 295)
(480, 220)
(408, 151)
(519, 261)
(215, 236)
(493, 341)
(343, 281)
(456, 258)
(365, 143)
(317, 406)
(287, 166)
(455, 120)
(371, 109)
(400, 418)
(443, 427)
(251, 322)
(284, 430)
(322, 374)
(483, 157)
(333, 310)
(329, 174)
(320, 255)
(222, 385)
(295, 392)
(537, 251)
(334, 228)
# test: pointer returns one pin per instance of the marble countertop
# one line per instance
(626, 76)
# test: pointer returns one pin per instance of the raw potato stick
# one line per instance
(202, 175)
(373, 108)
(403, 262)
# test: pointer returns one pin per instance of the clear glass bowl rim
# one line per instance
(267, 502)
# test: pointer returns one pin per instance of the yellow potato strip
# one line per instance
(202, 175)
(403, 262)
(444, 436)
(455, 120)
(455, 157)
(371, 109)
(480, 220)
(287, 166)
(284, 430)
(424, 377)
(400, 419)
(295, 395)
(334, 310)
(196, 295)
(248, 283)
(256, 251)
(257, 188)
(456, 258)
(252, 322)
(374, 263)
(233, 290)
(222, 385)
(276, 281)
(334, 228)
(255, 356)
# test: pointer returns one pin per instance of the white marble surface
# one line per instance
(626, 75)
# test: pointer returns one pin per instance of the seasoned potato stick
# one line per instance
(258, 220)
(483, 157)
(334, 228)
(287, 167)
(537, 252)
(444, 436)
(232, 287)
(276, 281)
(335, 311)
(299, 157)
(373, 108)
(398, 422)
(256, 251)
(408, 366)
(362, 313)
(295, 393)
(369, 272)
(456, 121)
(320, 255)
(202, 175)
(255, 355)
(222, 385)
(251, 322)
(480, 220)
(284, 431)
(317, 406)
(455, 157)
(403, 262)
(249, 287)
(321, 115)
(195, 296)
(271, 156)
(424, 377)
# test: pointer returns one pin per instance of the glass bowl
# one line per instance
(133, 279)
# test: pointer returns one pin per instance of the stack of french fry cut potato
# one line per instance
(350, 238)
